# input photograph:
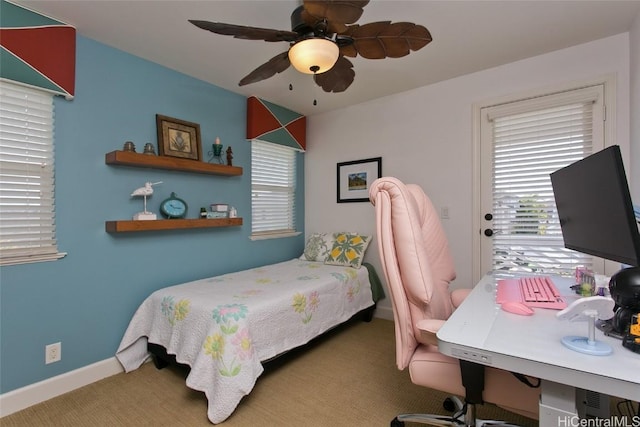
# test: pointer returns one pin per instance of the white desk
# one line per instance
(480, 331)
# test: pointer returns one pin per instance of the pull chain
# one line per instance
(315, 90)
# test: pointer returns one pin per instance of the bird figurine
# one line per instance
(145, 192)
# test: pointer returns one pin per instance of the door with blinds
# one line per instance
(522, 142)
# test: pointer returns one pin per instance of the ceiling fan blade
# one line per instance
(384, 39)
(337, 13)
(246, 33)
(275, 65)
(338, 78)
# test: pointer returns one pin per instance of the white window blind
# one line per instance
(273, 179)
(531, 140)
(27, 215)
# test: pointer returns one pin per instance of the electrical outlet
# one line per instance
(53, 353)
(444, 212)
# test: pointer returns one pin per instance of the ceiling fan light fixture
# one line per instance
(314, 55)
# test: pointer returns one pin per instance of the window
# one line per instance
(522, 143)
(273, 185)
(27, 214)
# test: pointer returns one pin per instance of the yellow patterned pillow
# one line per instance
(348, 249)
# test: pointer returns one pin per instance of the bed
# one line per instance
(225, 327)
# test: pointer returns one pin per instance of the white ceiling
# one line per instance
(468, 36)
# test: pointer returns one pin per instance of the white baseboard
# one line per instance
(32, 394)
(24, 397)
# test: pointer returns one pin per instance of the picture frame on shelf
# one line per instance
(178, 138)
(355, 177)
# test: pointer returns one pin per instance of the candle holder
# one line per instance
(215, 155)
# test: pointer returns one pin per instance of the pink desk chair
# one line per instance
(418, 268)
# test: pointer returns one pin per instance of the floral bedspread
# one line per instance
(224, 326)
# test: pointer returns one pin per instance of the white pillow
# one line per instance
(317, 247)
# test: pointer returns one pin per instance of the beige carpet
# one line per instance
(348, 378)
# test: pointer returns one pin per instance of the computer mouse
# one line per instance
(517, 308)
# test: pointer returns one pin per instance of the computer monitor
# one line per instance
(595, 209)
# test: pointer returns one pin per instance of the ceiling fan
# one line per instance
(320, 39)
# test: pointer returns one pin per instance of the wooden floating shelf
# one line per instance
(127, 226)
(128, 158)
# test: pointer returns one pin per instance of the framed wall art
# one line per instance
(178, 138)
(355, 178)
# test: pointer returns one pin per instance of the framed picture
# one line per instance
(178, 138)
(355, 177)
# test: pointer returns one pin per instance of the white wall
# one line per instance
(424, 136)
(634, 56)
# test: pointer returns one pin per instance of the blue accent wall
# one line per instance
(86, 299)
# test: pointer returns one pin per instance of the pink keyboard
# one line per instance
(534, 291)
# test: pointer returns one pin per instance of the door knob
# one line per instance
(488, 217)
(488, 232)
